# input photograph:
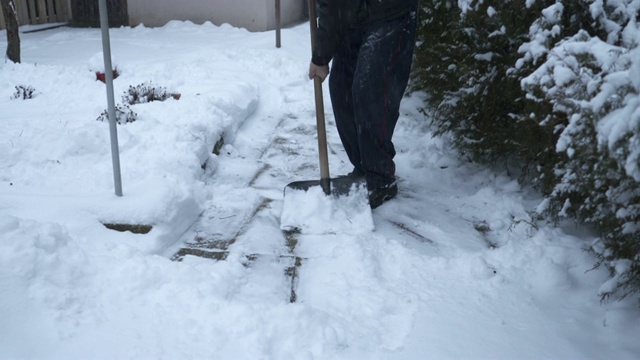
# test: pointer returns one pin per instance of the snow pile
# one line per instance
(312, 212)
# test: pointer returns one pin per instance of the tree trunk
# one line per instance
(13, 32)
(86, 13)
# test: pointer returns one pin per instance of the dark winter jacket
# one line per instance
(336, 17)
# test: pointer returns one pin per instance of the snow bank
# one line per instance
(54, 149)
(312, 212)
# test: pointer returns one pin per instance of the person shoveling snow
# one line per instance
(371, 45)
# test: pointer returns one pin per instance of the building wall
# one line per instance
(254, 15)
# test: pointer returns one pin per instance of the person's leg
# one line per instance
(380, 79)
(343, 68)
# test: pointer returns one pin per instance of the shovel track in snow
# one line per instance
(218, 234)
(211, 246)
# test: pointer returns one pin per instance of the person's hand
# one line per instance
(321, 71)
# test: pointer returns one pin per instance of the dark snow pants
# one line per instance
(369, 75)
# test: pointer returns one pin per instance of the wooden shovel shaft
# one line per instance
(322, 137)
(320, 122)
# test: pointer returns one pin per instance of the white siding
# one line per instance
(254, 15)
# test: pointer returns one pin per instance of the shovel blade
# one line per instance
(340, 186)
(307, 209)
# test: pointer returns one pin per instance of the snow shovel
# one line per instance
(338, 205)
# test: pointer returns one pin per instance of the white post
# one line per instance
(111, 110)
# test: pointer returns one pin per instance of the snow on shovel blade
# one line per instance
(308, 210)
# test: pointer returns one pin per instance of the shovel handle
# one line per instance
(320, 122)
(322, 137)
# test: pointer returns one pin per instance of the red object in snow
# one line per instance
(102, 76)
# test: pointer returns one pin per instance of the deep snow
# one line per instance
(455, 268)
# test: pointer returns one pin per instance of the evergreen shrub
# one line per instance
(550, 89)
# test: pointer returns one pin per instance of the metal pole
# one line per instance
(278, 23)
(111, 110)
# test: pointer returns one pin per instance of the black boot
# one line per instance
(379, 195)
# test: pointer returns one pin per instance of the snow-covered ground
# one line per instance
(455, 268)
